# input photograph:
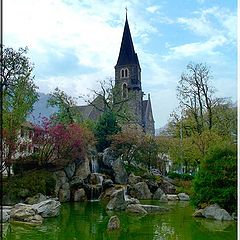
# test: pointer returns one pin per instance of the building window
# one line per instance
(124, 91)
(124, 73)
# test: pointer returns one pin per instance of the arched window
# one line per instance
(124, 73)
(124, 91)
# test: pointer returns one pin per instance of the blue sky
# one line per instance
(74, 44)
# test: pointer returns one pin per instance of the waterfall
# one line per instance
(94, 166)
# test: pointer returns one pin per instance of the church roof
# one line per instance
(127, 53)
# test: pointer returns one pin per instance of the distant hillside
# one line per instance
(41, 109)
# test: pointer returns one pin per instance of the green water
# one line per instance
(87, 221)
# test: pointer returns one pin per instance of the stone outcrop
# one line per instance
(113, 223)
(83, 169)
(79, 195)
(213, 212)
(64, 195)
(120, 174)
(183, 197)
(140, 191)
(172, 197)
(117, 201)
(48, 208)
(167, 186)
(132, 179)
(70, 170)
(136, 208)
(158, 194)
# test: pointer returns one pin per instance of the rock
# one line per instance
(198, 213)
(70, 170)
(65, 186)
(113, 223)
(48, 208)
(76, 182)
(95, 179)
(136, 208)
(153, 208)
(5, 216)
(61, 178)
(183, 197)
(64, 195)
(83, 170)
(117, 201)
(39, 197)
(215, 212)
(132, 179)
(79, 195)
(167, 187)
(172, 197)
(25, 213)
(140, 191)
(130, 200)
(109, 157)
(106, 195)
(152, 185)
(120, 174)
(107, 183)
(158, 194)
(163, 198)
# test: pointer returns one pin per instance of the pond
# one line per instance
(88, 221)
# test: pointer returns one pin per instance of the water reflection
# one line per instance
(88, 221)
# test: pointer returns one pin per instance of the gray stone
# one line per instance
(34, 220)
(158, 194)
(48, 208)
(117, 201)
(64, 195)
(140, 191)
(153, 208)
(61, 178)
(172, 197)
(167, 186)
(76, 182)
(106, 195)
(120, 174)
(107, 183)
(152, 185)
(65, 186)
(79, 195)
(131, 200)
(215, 212)
(5, 216)
(135, 208)
(113, 223)
(70, 170)
(163, 198)
(39, 197)
(198, 213)
(109, 157)
(183, 197)
(83, 170)
(132, 179)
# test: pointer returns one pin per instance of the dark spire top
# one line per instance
(127, 53)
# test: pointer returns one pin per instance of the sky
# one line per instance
(74, 44)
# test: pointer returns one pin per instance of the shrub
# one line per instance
(183, 176)
(216, 181)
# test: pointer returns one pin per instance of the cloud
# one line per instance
(153, 9)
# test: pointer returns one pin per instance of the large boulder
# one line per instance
(107, 183)
(140, 191)
(5, 216)
(107, 194)
(216, 212)
(39, 197)
(48, 208)
(117, 201)
(64, 195)
(70, 170)
(152, 185)
(120, 174)
(83, 169)
(183, 197)
(61, 178)
(131, 200)
(136, 208)
(76, 182)
(113, 223)
(79, 195)
(167, 186)
(158, 194)
(172, 197)
(109, 157)
(133, 179)
(25, 213)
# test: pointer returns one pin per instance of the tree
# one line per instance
(106, 126)
(216, 181)
(196, 95)
(67, 112)
(19, 94)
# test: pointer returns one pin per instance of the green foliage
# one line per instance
(184, 176)
(29, 183)
(67, 111)
(216, 181)
(135, 169)
(105, 127)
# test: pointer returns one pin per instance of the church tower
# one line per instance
(128, 77)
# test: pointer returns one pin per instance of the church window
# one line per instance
(124, 91)
(124, 73)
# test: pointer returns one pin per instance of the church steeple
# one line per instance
(127, 53)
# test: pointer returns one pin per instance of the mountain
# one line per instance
(40, 108)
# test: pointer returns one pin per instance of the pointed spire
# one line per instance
(127, 53)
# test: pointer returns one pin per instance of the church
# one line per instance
(128, 83)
